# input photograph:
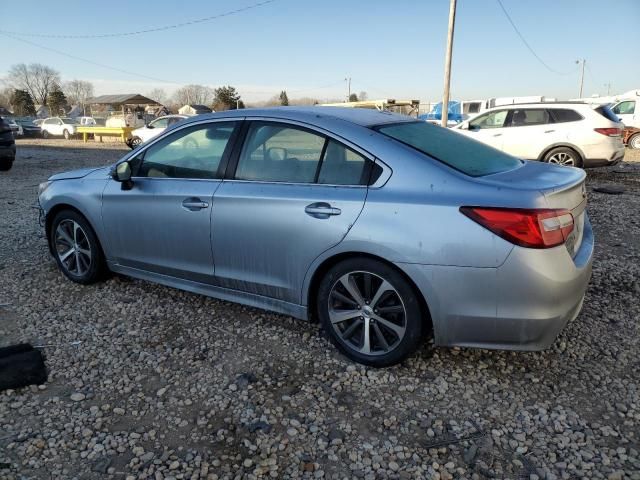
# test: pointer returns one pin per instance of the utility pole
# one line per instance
(447, 63)
(608, 85)
(583, 61)
(348, 80)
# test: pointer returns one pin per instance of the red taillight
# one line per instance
(610, 132)
(543, 228)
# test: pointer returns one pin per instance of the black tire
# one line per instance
(563, 156)
(6, 164)
(134, 142)
(45, 134)
(634, 141)
(403, 296)
(66, 134)
(88, 272)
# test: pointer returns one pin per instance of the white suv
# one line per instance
(570, 134)
(153, 129)
(59, 126)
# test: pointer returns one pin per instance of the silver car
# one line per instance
(384, 228)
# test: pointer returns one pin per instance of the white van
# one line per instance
(628, 110)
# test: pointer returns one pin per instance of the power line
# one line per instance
(529, 46)
(75, 57)
(146, 77)
(148, 30)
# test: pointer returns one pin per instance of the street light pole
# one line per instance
(348, 80)
(447, 63)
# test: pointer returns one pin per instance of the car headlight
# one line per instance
(42, 187)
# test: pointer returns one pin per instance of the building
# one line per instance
(194, 110)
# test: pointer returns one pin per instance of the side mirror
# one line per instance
(122, 173)
(148, 125)
(464, 126)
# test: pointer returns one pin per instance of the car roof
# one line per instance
(360, 116)
(541, 104)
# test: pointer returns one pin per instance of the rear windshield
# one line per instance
(451, 148)
(606, 112)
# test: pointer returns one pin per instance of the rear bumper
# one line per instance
(611, 157)
(521, 305)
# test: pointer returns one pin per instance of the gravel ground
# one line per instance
(170, 385)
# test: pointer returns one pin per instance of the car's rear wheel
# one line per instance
(66, 134)
(76, 247)
(563, 156)
(45, 134)
(6, 164)
(634, 141)
(370, 312)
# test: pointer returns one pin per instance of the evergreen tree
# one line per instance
(284, 99)
(22, 103)
(227, 98)
(353, 97)
(56, 101)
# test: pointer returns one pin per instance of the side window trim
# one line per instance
(234, 158)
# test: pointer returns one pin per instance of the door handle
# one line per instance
(321, 210)
(549, 131)
(194, 204)
(498, 135)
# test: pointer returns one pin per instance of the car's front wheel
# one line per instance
(370, 312)
(563, 156)
(45, 134)
(76, 248)
(66, 134)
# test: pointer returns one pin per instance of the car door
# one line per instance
(292, 193)
(625, 111)
(163, 223)
(488, 128)
(530, 131)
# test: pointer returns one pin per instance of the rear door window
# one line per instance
(451, 148)
(564, 115)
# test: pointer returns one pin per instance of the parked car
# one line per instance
(28, 128)
(153, 129)
(15, 128)
(86, 121)
(7, 146)
(383, 227)
(631, 137)
(569, 134)
(626, 111)
(57, 126)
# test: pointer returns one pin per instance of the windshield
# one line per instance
(451, 148)
(69, 121)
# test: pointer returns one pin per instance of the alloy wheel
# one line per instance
(635, 142)
(136, 141)
(562, 158)
(73, 247)
(367, 313)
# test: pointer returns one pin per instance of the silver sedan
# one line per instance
(385, 229)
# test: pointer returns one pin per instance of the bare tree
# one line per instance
(193, 95)
(35, 78)
(5, 97)
(159, 95)
(78, 92)
(362, 96)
